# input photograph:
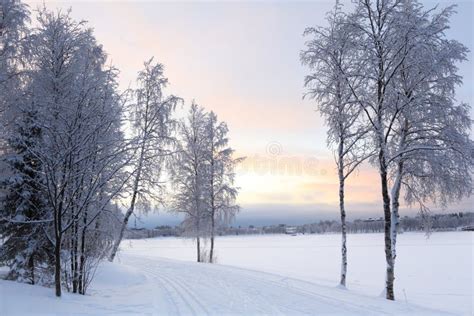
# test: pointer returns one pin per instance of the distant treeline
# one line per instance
(436, 222)
(159, 231)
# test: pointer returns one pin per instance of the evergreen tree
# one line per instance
(24, 208)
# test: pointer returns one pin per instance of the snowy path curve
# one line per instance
(188, 288)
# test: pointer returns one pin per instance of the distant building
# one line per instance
(290, 230)
(371, 220)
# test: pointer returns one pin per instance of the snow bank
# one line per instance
(114, 285)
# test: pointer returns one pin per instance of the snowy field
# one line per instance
(266, 275)
(435, 273)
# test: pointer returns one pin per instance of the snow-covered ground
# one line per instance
(436, 272)
(297, 276)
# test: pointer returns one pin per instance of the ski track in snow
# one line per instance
(204, 289)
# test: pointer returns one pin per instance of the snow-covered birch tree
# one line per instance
(55, 62)
(220, 175)
(152, 124)
(331, 57)
(408, 70)
(430, 153)
(188, 174)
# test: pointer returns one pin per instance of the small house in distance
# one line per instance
(290, 230)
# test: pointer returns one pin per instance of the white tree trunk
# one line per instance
(396, 196)
(395, 207)
(131, 209)
(383, 169)
(343, 213)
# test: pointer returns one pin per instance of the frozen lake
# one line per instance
(435, 272)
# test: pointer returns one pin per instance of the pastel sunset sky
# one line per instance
(241, 60)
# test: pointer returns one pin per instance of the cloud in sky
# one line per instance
(241, 60)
